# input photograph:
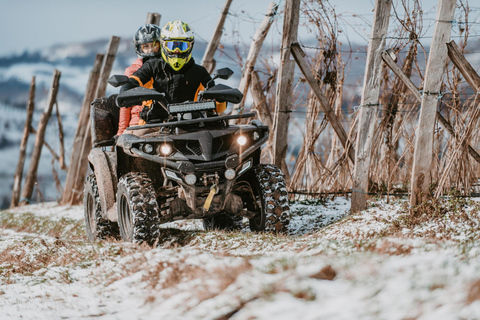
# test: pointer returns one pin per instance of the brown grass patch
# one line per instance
(30, 223)
(174, 238)
(441, 214)
(326, 273)
(225, 277)
(27, 256)
(473, 292)
(393, 249)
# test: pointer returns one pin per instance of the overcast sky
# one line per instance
(37, 24)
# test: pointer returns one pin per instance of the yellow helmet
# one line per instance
(177, 43)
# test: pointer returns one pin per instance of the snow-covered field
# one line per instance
(381, 263)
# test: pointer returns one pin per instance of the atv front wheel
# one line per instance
(264, 192)
(96, 226)
(274, 198)
(137, 207)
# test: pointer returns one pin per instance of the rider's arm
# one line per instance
(132, 83)
(143, 77)
(144, 74)
(221, 106)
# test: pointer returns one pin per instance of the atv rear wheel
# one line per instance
(137, 207)
(96, 226)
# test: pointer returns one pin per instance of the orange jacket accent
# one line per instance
(131, 116)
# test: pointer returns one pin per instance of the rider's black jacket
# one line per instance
(178, 86)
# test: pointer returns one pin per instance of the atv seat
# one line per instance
(104, 116)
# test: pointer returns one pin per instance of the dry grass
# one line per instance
(28, 222)
(442, 215)
(31, 255)
(473, 292)
(326, 273)
(393, 248)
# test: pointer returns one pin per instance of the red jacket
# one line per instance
(130, 116)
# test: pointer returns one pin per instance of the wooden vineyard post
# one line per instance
(259, 101)
(262, 111)
(414, 90)
(82, 168)
(208, 62)
(369, 105)
(423, 154)
(465, 68)
(153, 18)
(285, 78)
(253, 53)
(298, 55)
(31, 177)
(17, 180)
(84, 118)
(61, 158)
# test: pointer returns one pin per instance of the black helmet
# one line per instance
(146, 34)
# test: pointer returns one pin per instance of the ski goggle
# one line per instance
(175, 45)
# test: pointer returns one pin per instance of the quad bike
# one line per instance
(195, 165)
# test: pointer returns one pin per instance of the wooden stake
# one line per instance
(253, 53)
(208, 62)
(298, 55)
(153, 18)
(61, 159)
(40, 138)
(413, 89)
(84, 118)
(260, 101)
(284, 91)
(423, 155)
(82, 168)
(468, 72)
(45, 143)
(263, 113)
(369, 103)
(17, 180)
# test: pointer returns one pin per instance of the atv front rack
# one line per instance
(193, 121)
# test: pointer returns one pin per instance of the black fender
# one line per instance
(104, 166)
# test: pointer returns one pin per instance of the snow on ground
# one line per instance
(381, 263)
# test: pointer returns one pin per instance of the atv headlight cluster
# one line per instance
(166, 149)
(242, 140)
(190, 179)
(148, 148)
(230, 174)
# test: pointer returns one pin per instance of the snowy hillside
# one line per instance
(378, 264)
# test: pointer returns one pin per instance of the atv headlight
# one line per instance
(230, 174)
(148, 148)
(166, 149)
(242, 140)
(190, 179)
(256, 135)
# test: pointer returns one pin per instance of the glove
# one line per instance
(153, 113)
